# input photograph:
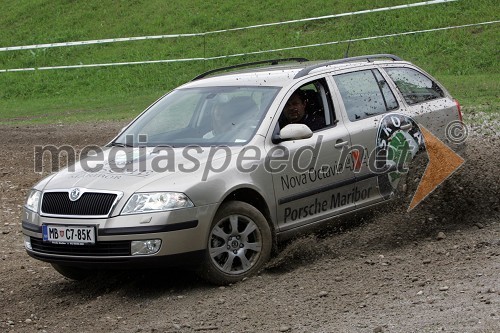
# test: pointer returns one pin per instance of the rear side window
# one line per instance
(365, 94)
(414, 86)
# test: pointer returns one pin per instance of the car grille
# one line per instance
(115, 248)
(89, 204)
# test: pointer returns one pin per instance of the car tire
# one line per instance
(238, 245)
(73, 273)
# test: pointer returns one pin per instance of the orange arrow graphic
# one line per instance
(443, 162)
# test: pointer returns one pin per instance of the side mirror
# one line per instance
(294, 132)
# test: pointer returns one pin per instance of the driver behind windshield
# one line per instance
(226, 117)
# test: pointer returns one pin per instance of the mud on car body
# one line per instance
(213, 175)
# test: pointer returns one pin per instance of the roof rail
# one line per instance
(270, 62)
(368, 58)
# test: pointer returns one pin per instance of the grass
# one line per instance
(484, 93)
(464, 60)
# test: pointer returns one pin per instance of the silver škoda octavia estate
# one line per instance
(215, 173)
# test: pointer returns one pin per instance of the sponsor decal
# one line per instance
(313, 175)
(335, 201)
(398, 140)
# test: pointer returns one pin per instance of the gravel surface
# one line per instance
(435, 269)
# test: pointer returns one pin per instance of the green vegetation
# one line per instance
(465, 60)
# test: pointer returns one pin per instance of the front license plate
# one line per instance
(75, 235)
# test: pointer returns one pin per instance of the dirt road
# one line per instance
(436, 269)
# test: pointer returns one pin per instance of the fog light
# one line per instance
(147, 246)
(27, 242)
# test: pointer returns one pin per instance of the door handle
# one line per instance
(340, 143)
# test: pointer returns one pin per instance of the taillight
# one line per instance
(459, 109)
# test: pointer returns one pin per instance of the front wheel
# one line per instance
(239, 243)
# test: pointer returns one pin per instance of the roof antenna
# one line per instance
(346, 55)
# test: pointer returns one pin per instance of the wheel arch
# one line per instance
(255, 199)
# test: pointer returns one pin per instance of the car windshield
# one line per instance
(201, 116)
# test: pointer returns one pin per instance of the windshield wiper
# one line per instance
(119, 144)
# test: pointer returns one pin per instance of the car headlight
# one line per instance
(156, 201)
(33, 200)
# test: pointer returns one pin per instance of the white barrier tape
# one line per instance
(91, 42)
(127, 39)
(367, 11)
(248, 53)
(100, 65)
(354, 40)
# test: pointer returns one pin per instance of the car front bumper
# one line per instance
(183, 234)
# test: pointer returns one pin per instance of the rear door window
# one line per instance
(365, 94)
(414, 86)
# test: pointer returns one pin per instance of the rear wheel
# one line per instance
(239, 243)
(73, 273)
